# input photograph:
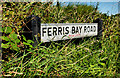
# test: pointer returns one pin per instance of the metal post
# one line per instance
(100, 22)
(32, 28)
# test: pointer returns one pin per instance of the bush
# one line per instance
(91, 57)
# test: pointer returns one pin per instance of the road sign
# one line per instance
(63, 31)
(59, 31)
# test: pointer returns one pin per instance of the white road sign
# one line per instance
(63, 31)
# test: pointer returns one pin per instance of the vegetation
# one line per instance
(90, 57)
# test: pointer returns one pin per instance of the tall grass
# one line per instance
(90, 57)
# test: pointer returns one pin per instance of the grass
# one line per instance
(85, 59)
(90, 57)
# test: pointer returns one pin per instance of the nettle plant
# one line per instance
(13, 22)
(10, 39)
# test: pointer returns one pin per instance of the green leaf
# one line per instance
(1, 30)
(17, 40)
(14, 47)
(30, 41)
(5, 38)
(26, 43)
(31, 46)
(13, 36)
(24, 38)
(103, 64)
(5, 45)
(8, 30)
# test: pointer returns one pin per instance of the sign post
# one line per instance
(61, 31)
(32, 28)
(100, 22)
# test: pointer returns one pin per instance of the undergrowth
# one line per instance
(89, 57)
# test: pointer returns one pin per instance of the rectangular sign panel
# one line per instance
(63, 31)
